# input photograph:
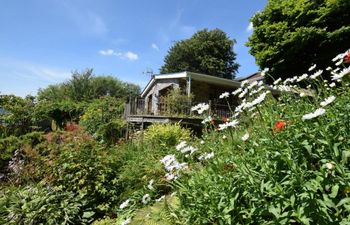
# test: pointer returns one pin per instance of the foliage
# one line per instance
(85, 86)
(60, 112)
(40, 205)
(176, 103)
(297, 173)
(165, 135)
(16, 118)
(207, 51)
(289, 36)
(102, 119)
(11, 144)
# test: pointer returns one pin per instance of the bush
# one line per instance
(42, 205)
(102, 119)
(165, 135)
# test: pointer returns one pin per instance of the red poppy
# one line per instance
(347, 58)
(279, 125)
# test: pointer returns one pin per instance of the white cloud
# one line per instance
(154, 46)
(250, 27)
(131, 56)
(107, 52)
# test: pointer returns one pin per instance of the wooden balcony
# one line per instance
(137, 109)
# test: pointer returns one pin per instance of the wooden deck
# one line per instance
(162, 119)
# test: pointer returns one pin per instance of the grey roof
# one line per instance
(195, 76)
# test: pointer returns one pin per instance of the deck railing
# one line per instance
(139, 107)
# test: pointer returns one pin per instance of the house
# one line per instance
(203, 88)
(253, 77)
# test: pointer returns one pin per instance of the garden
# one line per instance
(280, 159)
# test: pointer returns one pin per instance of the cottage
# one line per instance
(202, 87)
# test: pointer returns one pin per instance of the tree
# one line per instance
(291, 35)
(208, 52)
(85, 86)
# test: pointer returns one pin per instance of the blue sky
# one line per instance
(43, 41)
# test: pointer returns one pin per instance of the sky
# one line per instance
(43, 41)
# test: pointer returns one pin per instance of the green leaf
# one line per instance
(335, 190)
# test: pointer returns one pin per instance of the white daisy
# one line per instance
(124, 204)
(318, 112)
(328, 101)
(146, 199)
(224, 95)
(245, 137)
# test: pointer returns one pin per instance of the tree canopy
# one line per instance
(289, 35)
(207, 51)
(85, 86)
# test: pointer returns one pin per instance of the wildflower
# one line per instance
(329, 166)
(318, 112)
(170, 176)
(206, 156)
(202, 142)
(245, 137)
(146, 199)
(341, 74)
(312, 67)
(228, 124)
(340, 61)
(224, 137)
(181, 145)
(244, 92)
(277, 81)
(253, 84)
(125, 222)
(188, 149)
(150, 185)
(315, 75)
(172, 166)
(224, 95)
(339, 56)
(346, 58)
(302, 94)
(336, 70)
(302, 77)
(237, 91)
(124, 204)
(332, 84)
(279, 126)
(207, 120)
(200, 108)
(263, 73)
(243, 83)
(256, 101)
(329, 68)
(160, 199)
(328, 101)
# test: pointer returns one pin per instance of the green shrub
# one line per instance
(165, 135)
(42, 205)
(102, 119)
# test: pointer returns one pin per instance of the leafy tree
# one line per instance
(16, 117)
(289, 35)
(85, 86)
(208, 52)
